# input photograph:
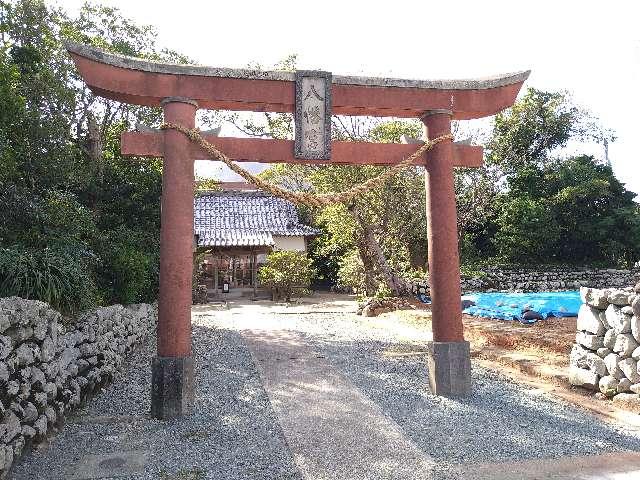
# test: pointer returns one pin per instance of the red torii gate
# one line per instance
(181, 89)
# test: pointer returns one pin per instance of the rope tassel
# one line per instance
(305, 198)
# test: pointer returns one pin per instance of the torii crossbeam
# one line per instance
(181, 89)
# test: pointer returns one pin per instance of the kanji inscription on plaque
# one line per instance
(313, 115)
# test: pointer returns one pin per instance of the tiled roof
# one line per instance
(226, 219)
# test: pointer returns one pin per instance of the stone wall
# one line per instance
(538, 279)
(46, 369)
(606, 354)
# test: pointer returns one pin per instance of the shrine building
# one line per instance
(236, 228)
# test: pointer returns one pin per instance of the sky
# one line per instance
(589, 48)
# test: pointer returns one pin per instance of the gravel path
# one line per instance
(235, 434)
(501, 421)
(232, 433)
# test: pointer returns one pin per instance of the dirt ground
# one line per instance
(536, 354)
(541, 349)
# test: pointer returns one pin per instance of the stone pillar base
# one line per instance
(171, 387)
(450, 368)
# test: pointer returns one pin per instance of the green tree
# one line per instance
(527, 229)
(42, 219)
(550, 208)
(571, 211)
(387, 239)
(286, 272)
(63, 182)
(597, 215)
(39, 151)
(536, 126)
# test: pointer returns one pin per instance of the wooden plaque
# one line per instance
(313, 115)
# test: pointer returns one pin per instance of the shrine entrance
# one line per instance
(231, 271)
(313, 97)
(235, 269)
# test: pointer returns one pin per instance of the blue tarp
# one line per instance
(510, 306)
(424, 298)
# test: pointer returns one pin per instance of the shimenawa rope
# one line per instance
(305, 198)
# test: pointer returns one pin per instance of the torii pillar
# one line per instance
(449, 357)
(172, 368)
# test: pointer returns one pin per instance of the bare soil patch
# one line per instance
(536, 354)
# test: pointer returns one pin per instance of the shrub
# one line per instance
(61, 276)
(286, 272)
(383, 291)
(351, 274)
(37, 220)
(129, 267)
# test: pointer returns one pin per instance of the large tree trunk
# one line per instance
(370, 283)
(396, 284)
(371, 254)
(94, 147)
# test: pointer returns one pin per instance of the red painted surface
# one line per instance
(281, 151)
(149, 88)
(176, 236)
(444, 264)
(176, 248)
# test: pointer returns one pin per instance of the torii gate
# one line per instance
(181, 89)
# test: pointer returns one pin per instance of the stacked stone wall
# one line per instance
(47, 369)
(606, 355)
(538, 279)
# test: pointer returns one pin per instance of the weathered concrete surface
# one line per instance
(449, 368)
(135, 63)
(171, 387)
(114, 465)
(332, 429)
(619, 466)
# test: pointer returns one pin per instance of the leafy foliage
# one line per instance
(129, 270)
(64, 187)
(60, 277)
(573, 210)
(531, 132)
(39, 220)
(206, 185)
(285, 273)
(526, 229)
(387, 239)
(552, 209)
(351, 273)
